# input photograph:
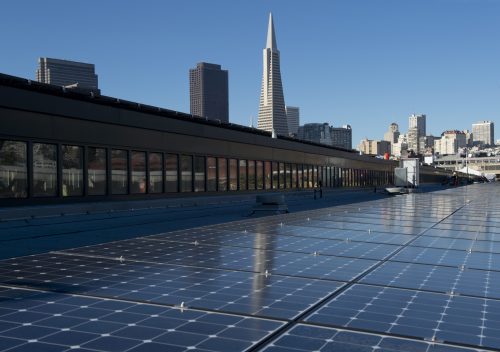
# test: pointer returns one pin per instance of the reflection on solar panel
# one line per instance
(419, 272)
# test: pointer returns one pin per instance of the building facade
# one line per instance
(418, 122)
(341, 136)
(71, 74)
(293, 118)
(483, 133)
(272, 113)
(374, 147)
(392, 133)
(58, 146)
(209, 92)
(450, 142)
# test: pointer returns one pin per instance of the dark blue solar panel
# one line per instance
(480, 283)
(48, 321)
(430, 316)
(312, 338)
(268, 295)
(411, 273)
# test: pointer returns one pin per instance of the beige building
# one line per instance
(450, 142)
(374, 147)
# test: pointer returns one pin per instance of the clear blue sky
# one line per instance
(363, 62)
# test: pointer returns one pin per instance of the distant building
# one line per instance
(323, 133)
(392, 134)
(208, 92)
(418, 122)
(293, 119)
(413, 139)
(374, 147)
(272, 114)
(70, 74)
(315, 132)
(341, 136)
(426, 144)
(450, 142)
(469, 138)
(401, 147)
(483, 133)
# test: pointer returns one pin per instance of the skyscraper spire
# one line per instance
(271, 37)
(272, 113)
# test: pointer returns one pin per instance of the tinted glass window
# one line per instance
(44, 170)
(275, 174)
(72, 170)
(211, 174)
(13, 169)
(138, 165)
(243, 174)
(96, 171)
(171, 173)
(268, 174)
(186, 173)
(251, 174)
(233, 174)
(155, 173)
(119, 172)
(260, 174)
(222, 168)
(199, 174)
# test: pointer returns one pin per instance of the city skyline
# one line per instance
(335, 70)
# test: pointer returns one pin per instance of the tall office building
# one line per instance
(208, 92)
(272, 113)
(450, 142)
(293, 117)
(325, 134)
(71, 74)
(392, 133)
(341, 136)
(419, 122)
(483, 133)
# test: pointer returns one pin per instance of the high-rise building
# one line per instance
(71, 74)
(272, 113)
(341, 136)
(315, 132)
(392, 133)
(413, 139)
(450, 142)
(483, 133)
(323, 133)
(293, 118)
(419, 122)
(373, 147)
(208, 92)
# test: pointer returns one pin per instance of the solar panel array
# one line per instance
(419, 272)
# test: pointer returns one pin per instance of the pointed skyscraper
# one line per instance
(272, 113)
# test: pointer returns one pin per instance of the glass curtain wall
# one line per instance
(119, 171)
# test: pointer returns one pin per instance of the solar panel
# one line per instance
(413, 273)
(48, 321)
(430, 316)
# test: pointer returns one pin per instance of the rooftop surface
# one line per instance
(419, 272)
